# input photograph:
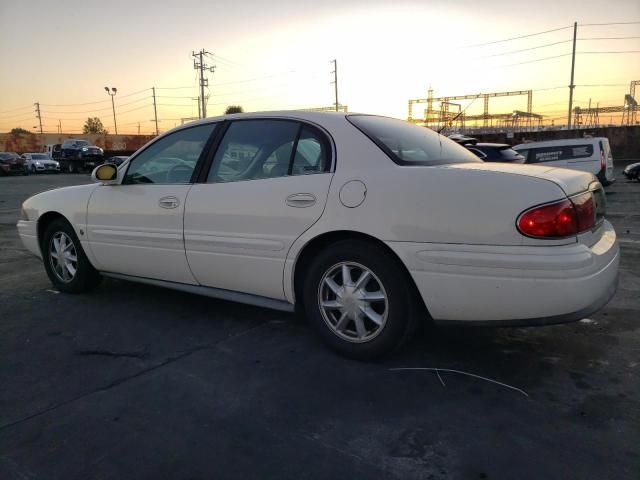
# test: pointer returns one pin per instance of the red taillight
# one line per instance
(603, 161)
(559, 219)
(585, 211)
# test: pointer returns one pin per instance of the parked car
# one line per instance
(632, 171)
(12, 164)
(116, 160)
(40, 162)
(369, 224)
(586, 154)
(80, 155)
(496, 152)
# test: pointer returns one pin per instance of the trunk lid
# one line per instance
(570, 181)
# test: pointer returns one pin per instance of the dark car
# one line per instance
(632, 172)
(496, 152)
(12, 164)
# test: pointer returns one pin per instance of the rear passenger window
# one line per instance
(266, 148)
(311, 154)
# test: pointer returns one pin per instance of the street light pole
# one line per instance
(113, 105)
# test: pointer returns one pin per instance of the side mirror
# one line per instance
(106, 174)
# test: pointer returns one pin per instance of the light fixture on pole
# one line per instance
(113, 105)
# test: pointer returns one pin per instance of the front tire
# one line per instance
(65, 262)
(358, 299)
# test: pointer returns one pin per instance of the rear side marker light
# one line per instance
(560, 219)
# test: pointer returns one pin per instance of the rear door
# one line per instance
(135, 228)
(267, 184)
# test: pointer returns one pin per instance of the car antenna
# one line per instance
(460, 112)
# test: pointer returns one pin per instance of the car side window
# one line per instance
(311, 154)
(171, 159)
(478, 152)
(254, 149)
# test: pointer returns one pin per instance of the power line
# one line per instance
(518, 38)
(608, 53)
(603, 24)
(536, 60)
(525, 49)
(16, 109)
(608, 38)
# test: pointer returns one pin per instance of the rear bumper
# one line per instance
(501, 285)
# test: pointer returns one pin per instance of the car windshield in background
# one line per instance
(39, 156)
(409, 144)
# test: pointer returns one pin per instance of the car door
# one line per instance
(267, 184)
(135, 228)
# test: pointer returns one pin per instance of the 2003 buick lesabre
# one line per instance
(370, 224)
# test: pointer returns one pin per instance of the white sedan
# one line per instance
(40, 162)
(370, 224)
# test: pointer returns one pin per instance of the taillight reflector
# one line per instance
(559, 219)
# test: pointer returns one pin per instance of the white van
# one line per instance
(587, 154)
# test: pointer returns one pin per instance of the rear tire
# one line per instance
(64, 259)
(72, 167)
(357, 297)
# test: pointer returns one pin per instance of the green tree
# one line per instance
(18, 131)
(94, 125)
(233, 109)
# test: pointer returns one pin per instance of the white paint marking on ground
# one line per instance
(52, 291)
(449, 370)
(587, 320)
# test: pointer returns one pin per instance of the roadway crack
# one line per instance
(167, 361)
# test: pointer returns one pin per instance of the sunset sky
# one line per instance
(276, 55)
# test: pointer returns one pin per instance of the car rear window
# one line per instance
(408, 144)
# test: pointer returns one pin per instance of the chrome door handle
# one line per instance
(168, 202)
(301, 200)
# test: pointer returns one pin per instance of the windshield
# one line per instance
(409, 144)
(82, 143)
(39, 156)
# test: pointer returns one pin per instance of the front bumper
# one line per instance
(28, 231)
(511, 285)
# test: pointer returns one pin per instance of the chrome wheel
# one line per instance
(63, 257)
(353, 302)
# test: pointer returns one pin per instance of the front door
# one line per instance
(268, 183)
(135, 228)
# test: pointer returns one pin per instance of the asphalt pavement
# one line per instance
(133, 381)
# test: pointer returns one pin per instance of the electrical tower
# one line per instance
(198, 64)
(38, 116)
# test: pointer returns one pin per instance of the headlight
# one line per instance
(38, 163)
(84, 149)
(58, 164)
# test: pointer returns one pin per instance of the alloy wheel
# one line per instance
(353, 302)
(63, 257)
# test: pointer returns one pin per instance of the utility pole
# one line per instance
(335, 80)
(573, 66)
(198, 64)
(38, 116)
(59, 127)
(138, 128)
(155, 110)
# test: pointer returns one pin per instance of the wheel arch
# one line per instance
(324, 240)
(44, 221)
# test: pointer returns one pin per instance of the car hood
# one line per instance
(571, 181)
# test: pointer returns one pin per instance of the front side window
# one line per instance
(267, 148)
(171, 159)
(408, 144)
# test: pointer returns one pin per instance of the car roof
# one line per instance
(560, 142)
(492, 145)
